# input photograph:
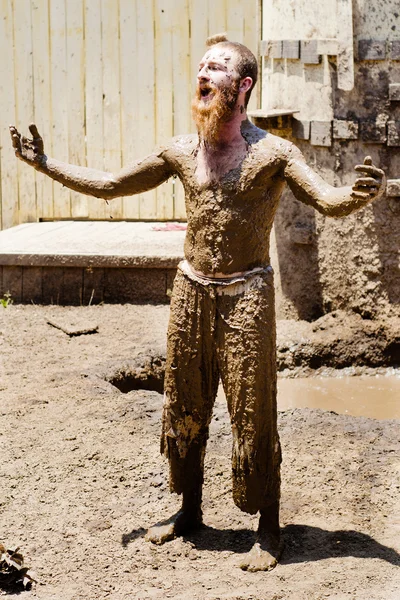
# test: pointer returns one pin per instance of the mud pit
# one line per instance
(82, 477)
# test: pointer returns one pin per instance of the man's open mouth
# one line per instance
(205, 92)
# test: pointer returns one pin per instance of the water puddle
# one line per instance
(376, 397)
(362, 396)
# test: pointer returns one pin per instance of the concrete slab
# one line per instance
(92, 244)
(82, 262)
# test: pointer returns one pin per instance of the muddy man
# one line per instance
(222, 321)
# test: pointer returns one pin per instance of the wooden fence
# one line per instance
(105, 81)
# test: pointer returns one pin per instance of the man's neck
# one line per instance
(229, 133)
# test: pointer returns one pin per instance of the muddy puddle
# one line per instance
(361, 396)
(376, 397)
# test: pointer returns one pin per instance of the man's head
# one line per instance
(227, 74)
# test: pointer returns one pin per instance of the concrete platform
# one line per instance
(88, 262)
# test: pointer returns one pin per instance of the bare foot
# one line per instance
(267, 550)
(263, 556)
(180, 523)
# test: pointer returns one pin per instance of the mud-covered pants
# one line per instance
(226, 332)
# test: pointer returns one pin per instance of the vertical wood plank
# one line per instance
(235, 19)
(93, 286)
(164, 18)
(182, 93)
(198, 35)
(8, 162)
(217, 10)
(94, 99)
(129, 96)
(24, 103)
(145, 132)
(12, 282)
(76, 97)
(32, 285)
(111, 94)
(72, 292)
(251, 38)
(52, 285)
(42, 100)
(59, 100)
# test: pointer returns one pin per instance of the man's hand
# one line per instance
(30, 151)
(372, 185)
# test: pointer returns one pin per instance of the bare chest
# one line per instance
(212, 167)
(235, 173)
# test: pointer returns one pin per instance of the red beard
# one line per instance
(209, 117)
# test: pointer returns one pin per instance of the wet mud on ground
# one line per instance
(81, 477)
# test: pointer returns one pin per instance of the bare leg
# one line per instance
(267, 550)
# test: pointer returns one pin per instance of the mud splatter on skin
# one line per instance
(230, 215)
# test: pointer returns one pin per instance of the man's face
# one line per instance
(217, 92)
(217, 71)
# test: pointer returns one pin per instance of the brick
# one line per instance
(393, 136)
(373, 132)
(309, 52)
(393, 188)
(394, 92)
(291, 49)
(302, 233)
(301, 129)
(395, 50)
(321, 133)
(371, 50)
(345, 130)
(328, 46)
(271, 48)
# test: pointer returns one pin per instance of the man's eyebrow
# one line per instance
(216, 63)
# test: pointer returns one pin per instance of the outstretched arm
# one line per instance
(139, 177)
(310, 188)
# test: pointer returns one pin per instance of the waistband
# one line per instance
(187, 270)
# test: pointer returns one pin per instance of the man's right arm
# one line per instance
(139, 177)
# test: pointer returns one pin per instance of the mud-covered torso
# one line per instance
(230, 220)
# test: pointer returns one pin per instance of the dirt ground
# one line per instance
(81, 477)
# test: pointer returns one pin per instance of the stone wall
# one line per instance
(352, 263)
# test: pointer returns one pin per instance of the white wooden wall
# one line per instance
(105, 81)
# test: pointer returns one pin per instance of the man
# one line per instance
(222, 321)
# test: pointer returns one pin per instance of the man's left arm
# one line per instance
(310, 188)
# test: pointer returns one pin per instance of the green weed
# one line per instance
(6, 300)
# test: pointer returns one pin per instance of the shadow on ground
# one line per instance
(303, 543)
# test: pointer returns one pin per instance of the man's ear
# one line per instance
(245, 84)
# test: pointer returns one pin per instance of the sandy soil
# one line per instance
(81, 478)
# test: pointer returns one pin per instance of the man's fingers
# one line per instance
(15, 136)
(34, 131)
(366, 181)
(369, 170)
(367, 160)
(16, 141)
(358, 195)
